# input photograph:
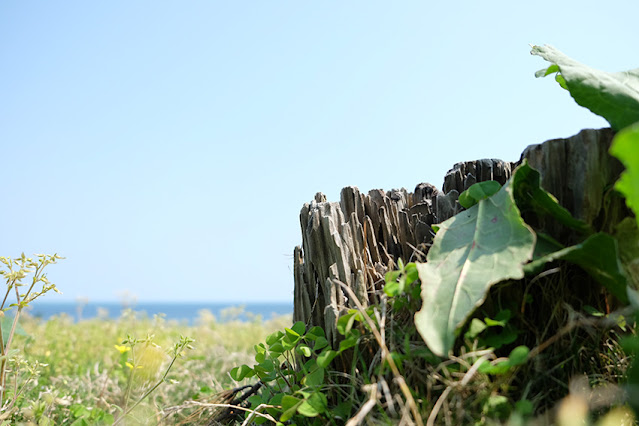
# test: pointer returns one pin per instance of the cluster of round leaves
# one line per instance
(292, 366)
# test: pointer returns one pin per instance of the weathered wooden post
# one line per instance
(359, 238)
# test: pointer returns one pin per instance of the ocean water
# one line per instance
(188, 312)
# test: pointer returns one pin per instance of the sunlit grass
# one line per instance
(88, 367)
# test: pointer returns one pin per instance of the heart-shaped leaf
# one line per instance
(473, 250)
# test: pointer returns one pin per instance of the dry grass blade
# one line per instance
(609, 321)
(387, 396)
(224, 405)
(257, 412)
(438, 405)
(366, 408)
(209, 405)
(464, 382)
(386, 355)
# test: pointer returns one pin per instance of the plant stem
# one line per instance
(147, 393)
(5, 354)
(129, 384)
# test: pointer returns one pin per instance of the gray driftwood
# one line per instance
(357, 239)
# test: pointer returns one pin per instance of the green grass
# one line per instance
(86, 376)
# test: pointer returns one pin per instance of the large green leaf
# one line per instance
(612, 95)
(627, 236)
(599, 256)
(473, 250)
(625, 146)
(530, 196)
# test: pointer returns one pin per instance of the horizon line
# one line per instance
(184, 302)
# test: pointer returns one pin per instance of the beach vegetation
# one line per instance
(505, 323)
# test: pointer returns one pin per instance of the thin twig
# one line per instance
(211, 405)
(366, 408)
(415, 250)
(610, 320)
(257, 413)
(537, 277)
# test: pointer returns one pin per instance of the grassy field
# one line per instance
(559, 355)
(137, 370)
(82, 373)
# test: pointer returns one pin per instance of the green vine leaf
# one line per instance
(627, 236)
(473, 250)
(612, 95)
(625, 146)
(478, 191)
(518, 356)
(314, 378)
(289, 407)
(530, 196)
(239, 373)
(326, 357)
(599, 256)
(314, 405)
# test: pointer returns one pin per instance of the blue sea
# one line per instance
(187, 311)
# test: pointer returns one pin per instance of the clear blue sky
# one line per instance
(166, 148)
